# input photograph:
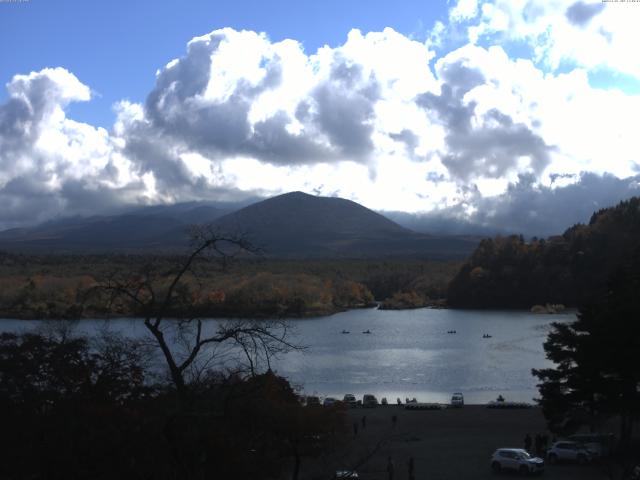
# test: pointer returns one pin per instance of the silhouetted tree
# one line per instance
(175, 294)
(68, 408)
(598, 367)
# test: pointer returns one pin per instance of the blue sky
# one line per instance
(117, 46)
(498, 113)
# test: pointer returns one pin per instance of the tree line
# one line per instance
(50, 287)
(510, 272)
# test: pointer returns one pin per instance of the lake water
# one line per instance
(408, 353)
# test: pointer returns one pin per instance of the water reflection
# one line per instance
(408, 353)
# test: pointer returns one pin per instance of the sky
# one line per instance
(510, 115)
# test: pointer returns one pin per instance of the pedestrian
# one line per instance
(394, 420)
(527, 442)
(364, 422)
(390, 468)
(410, 468)
(355, 429)
(399, 401)
(538, 444)
(545, 443)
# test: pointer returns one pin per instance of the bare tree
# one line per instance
(165, 302)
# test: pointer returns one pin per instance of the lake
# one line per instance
(407, 354)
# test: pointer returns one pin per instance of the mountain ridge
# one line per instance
(293, 224)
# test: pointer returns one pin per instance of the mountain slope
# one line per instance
(146, 228)
(290, 225)
(298, 224)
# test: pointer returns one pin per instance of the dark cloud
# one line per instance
(410, 141)
(526, 207)
(490, 150)
(581, 13)
(345, 116)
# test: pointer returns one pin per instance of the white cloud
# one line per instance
(589, 33)
(464, 10)
(378, 119)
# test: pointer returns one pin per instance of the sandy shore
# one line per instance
(445, 444)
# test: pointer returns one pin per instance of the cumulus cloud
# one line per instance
(464, 10)
(495, 145)
(222, 102)
(581, 13)
(42, 152)
(378, 119)
(589, 34)
(527, 207)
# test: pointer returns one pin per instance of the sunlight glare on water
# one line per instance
(407, 354)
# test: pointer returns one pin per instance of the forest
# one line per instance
(64, 286)
(568, 269)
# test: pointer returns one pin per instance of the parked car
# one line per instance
(350, 400)
(516, 459)
(313, 401)
(566, 451)
(369, 401)
(600, 445)
(340, 474)
(329, 402)
(457, 400)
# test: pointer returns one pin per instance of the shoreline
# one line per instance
(302, 316)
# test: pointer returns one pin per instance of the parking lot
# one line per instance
(444, 444)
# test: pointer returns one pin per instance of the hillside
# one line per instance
(157, 228)
(507, 272)
(300, 225)
(293, 225)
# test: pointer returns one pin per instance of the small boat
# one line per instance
(345, 331)
(486, 335)
(367, 331)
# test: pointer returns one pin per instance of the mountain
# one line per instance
(297, 224)
(569, 269)
(290, 225)
(143, 228)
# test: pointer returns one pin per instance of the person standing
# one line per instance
(390, 468)
(527, 442)
(410, 468)
(538, 443)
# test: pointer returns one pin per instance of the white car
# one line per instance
(516, 459)
(598, 444)
(340, 474)
(565, 451)
(457, 400)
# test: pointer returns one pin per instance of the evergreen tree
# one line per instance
(597, 373)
